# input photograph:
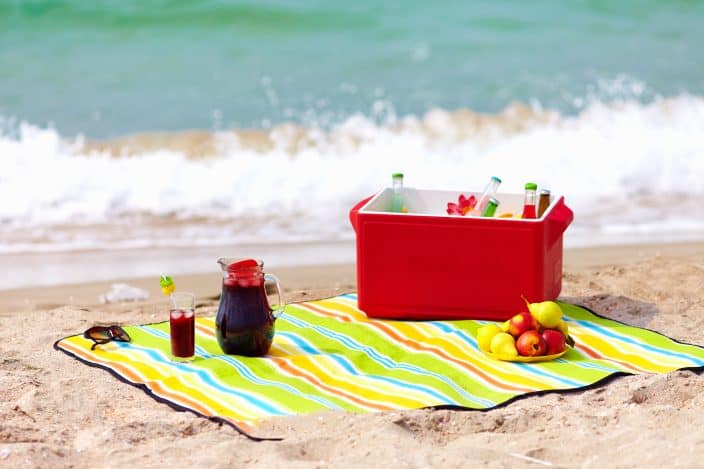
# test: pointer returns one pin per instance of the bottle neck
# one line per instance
(492, 187)
(530, 198)
(543, 203)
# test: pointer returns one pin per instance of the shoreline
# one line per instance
(43, 269)
(302, 277)
(296, 282)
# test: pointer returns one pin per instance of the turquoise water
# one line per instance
(109, 68)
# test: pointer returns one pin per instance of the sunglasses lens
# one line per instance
(119, 333)
(98, 333)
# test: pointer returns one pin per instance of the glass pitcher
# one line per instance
(244, 324)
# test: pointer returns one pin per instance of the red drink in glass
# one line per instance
(183, 333)
(182, 320)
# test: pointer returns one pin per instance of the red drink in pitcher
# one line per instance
(244, 324)
(244, 334)
(182, 321)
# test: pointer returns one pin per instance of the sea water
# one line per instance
(127, 124)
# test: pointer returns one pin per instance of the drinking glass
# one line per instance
(182, 320)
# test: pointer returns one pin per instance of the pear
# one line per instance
(504, 344)
(547, 313)
(485, 334)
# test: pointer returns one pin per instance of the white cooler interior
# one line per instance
(434, 202)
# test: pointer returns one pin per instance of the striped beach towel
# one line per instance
(328, 355)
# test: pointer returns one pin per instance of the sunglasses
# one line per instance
(104, 334)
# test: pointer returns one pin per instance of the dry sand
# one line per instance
(57, 412)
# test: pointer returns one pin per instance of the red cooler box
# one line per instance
(425, 264)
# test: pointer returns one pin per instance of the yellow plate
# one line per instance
(522, 359)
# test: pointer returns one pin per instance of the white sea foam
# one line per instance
(625, 168)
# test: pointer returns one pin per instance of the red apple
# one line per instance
(554, 340)
(531, 344)
(521, 323)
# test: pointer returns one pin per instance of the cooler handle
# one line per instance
(354, 212)
(559, 219)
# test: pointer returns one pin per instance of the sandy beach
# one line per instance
(57, 412)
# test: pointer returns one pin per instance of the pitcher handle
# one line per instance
(278, 308)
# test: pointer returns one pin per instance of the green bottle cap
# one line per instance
(531, 186)
(494, 178)
(397, 175)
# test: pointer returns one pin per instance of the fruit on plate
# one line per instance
(531, 344)
(521, 323)
(485, 334)
(538, 332)
(555, 341)
(547, 313)
(503, 344)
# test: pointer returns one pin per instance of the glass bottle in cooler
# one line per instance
(490, 208)
(543, 202)
(489, 192)
(529, 201)
(397, 193)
